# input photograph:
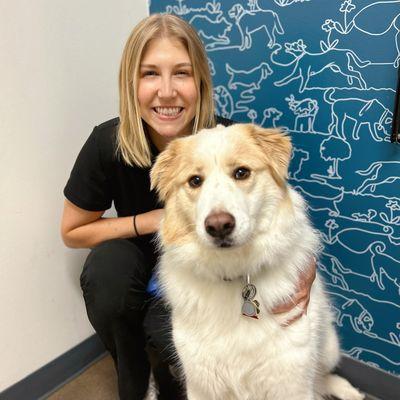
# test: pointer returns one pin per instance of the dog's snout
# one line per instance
(220, 224)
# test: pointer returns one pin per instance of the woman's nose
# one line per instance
(166, 88)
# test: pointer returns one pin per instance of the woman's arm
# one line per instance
(85, 229)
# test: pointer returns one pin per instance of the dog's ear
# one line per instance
(163, 170)
(276, 146)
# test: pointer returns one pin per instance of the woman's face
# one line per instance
(167, 92)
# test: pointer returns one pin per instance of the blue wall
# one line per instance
(325, 70)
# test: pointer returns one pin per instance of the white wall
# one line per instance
(58, 78)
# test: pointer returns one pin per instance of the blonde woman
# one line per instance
(165, 92)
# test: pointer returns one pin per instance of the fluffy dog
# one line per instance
(230, 217)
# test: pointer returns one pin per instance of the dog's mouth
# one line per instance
(223, 243)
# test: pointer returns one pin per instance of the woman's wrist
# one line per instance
(135, 230)
(146, 223)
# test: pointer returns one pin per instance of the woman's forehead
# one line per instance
(165, 47)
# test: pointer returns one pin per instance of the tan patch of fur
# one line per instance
(166, 170)
(167, 176)
(276, 148)
(175, 229)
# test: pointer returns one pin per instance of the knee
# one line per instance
(114, 277)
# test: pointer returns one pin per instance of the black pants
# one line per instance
(113, 281)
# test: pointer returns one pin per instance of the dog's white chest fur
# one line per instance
(226, 355)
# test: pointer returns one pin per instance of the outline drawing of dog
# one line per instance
(214, 32)
(247, 25)
(378, 173)
(251, 78)
(389, 18)
(230, 216)
(305, 111)
(340, 61)
(361, 112)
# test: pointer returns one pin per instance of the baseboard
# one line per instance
(50, 377)
(369, 379)
(57, 373)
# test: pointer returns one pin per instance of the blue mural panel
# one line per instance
(326, 72)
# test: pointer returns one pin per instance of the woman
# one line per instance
(165, 92)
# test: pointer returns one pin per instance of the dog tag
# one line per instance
(250, 308)
(249, 291)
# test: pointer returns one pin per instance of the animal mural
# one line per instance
(326, 75)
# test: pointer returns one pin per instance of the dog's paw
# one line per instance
(342, 389)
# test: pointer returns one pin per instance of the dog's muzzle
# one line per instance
(220, 225)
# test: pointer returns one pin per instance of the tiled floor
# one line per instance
(97, 383)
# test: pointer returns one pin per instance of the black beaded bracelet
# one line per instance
(134, 226)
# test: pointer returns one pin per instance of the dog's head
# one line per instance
(222, 186)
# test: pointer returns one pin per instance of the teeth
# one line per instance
(168, 111)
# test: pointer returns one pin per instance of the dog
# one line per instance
(251, 78)
(235, 237)
(247, 25)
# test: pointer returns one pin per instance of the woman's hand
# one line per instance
(302, 296)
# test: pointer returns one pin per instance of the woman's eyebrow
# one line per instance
(184, 64)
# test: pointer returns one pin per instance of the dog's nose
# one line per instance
(220, 224)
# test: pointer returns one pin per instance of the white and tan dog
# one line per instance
(229, 214)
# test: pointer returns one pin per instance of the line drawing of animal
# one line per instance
(255, 4)
(365, 217)
(379, 173)
(358, 263)
(218, 229)
(213, 31)
(371, 357)
(246, 97)
(335, 271)
(298, 157)
(384, 265)
(305, 111)
(371, 113)
(360, 318)
(211, 66)
(249, 78)
(271, 116)
(247, 24)
(340, 61)
(389, 17)
(224, 101)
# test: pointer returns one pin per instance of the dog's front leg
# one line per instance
(194, 393)
(299, 396)
(293, 392)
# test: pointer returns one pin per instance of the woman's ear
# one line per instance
(276, 146)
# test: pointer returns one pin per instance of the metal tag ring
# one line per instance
(249, 292)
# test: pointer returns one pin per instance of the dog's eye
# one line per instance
(241, 173)
(195, 181)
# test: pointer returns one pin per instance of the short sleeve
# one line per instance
(88, 186)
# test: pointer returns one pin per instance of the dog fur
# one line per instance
(225, 355)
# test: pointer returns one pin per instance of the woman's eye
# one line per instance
(149, 73)
(195, 181)
(183, 73)
(241, 173)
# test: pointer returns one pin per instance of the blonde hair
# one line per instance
(132, 143)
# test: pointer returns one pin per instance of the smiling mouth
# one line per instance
(170, 112)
